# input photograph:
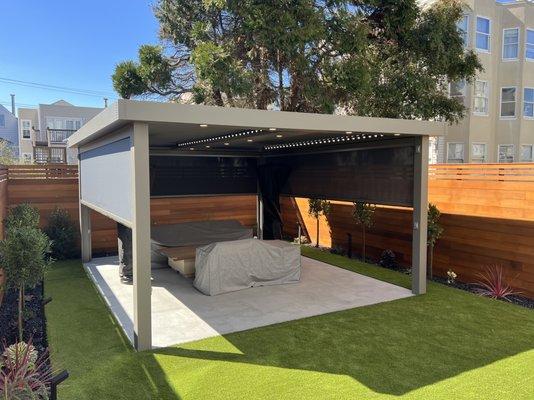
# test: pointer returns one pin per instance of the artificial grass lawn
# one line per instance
(447, 344)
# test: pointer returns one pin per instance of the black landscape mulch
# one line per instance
(34, 316)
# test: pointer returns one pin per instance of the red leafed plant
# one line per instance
(23, 375)
(492, 284)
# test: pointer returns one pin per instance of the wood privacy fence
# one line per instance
(51, 186)
(488, 216)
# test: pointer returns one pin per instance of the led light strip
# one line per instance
(315, 142)
(220, 138)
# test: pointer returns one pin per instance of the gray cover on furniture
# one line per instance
(230, 266)
(199, 233)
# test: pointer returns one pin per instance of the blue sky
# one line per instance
(73, 44)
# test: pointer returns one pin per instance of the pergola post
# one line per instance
(141, 237)
(420, 210)
(85, 233)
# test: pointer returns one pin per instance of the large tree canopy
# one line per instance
(386, 58)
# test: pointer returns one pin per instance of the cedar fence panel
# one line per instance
(488, 216)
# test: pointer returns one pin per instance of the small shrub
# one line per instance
(492, 284)
(11, 353)
(63, 233)
(451, 277)
(23, 376)
(23, 254)
(22, 215)
(388, 259)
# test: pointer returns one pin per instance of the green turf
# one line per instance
(447, 344)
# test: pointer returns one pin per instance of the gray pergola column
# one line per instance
(141, 237)
(85, 233)
(420, 210)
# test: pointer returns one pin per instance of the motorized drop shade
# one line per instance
(106, 178)
(381, 176)
(191, 175)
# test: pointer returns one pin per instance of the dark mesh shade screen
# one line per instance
(382, 176)
(175, 176)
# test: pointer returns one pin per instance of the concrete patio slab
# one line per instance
(182, 314)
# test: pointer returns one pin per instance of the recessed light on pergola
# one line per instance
(221, 138)
(331, 140)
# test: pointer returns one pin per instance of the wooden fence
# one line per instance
(48, 187)
(488, 216)
(486, 190)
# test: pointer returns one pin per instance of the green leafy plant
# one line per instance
(22, 215)
(24, 375)
(316, 208)
(363, 214)
(434, 232)
(23, 254)
(63, 233)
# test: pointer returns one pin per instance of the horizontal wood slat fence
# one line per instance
(488, 216)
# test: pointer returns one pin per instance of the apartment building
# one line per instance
(499, 123)
(43, 131)
(9, 129)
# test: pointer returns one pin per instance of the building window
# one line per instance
(526, 153)
(528, 103)
(529, 45)
(2, 121)
(481, 98)
(478, 153)
(510, 44)
(463, 28)
(455, 152)
(506, 153)
(457, 90)
(508, 99)
(26, 128)
(483, 36)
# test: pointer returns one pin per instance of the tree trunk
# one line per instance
(363, 242)
(2, 285)
(317, 242)
(21, 310)
(431, 262)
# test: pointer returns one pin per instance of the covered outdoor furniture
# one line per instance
(198, 233)
(178, 242)
(229, 266)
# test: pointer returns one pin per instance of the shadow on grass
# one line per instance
(391, 348)
(86, 340)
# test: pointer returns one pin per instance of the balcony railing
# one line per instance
(40, 138)
(50, 155)
(59, 136)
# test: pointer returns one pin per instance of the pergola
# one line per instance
(133, 150)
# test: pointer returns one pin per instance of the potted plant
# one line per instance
(316, 208)
(363, 213)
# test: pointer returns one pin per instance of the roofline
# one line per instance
(124, 111)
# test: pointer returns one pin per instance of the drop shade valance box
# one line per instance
(229, 266)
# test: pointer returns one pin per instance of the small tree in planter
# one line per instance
(434, 232)
(318, 207)
(23, 255)
(21, 215)
(63, 234)
(363, 214)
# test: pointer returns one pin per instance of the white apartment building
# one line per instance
(43, 131)
(499, 122)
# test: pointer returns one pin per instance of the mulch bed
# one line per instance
(34, 315)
